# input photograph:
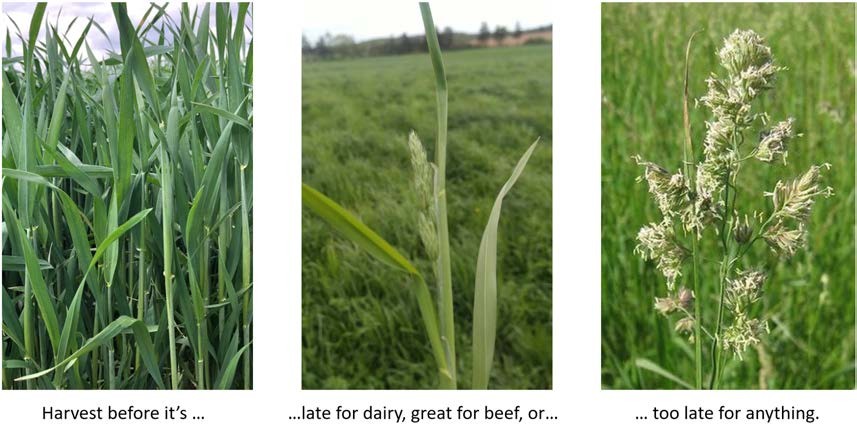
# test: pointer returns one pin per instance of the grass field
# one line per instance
(808, 300)
(361, 326)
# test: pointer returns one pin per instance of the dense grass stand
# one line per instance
(113, 171)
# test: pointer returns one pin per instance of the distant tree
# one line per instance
(484, 32)
(405, 45)
(321, 47)
(500, 34)
(389, 46)
(518, 30)
(343, 45)
(341, 40)
(446, 38)
(306, 47)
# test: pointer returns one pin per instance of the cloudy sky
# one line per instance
(64, 13)
(381, 18)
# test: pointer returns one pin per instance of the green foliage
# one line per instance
(361, 326)
(125, 262)
(809, 299)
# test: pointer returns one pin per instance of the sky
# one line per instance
(369, 19)
(101, 12)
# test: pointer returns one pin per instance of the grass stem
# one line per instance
(447, 316)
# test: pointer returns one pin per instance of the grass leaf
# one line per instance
(352, 229)
(485, 299)
(655, 368)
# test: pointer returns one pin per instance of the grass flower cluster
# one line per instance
(702, 200)
(127, 203)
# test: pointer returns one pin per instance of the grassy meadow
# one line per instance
(809, 300)
(361, 326)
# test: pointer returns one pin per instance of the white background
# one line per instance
(576, 397)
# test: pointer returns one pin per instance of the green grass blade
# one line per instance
(28, 177)
(125, 141)
(11, 324)
(13, 123)
(228, 372)
(35, 24)
(115, 328)
(17, 264)
(33, 270)
(352, 229)
(113, 236)
(93, 171)
(223, 114)
(446, 305)
(648, 365)
(74, 171)
(485, 298)
(72, 319)
(58, 115)
(135, 55)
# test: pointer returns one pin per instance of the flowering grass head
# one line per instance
(702, 202)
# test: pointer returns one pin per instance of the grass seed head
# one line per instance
(658, 242)
(696, 204)
(774, 142)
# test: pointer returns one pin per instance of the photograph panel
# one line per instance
(727, 182)
(412, 142)
(127, 196)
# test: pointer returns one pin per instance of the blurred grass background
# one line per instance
(808, 300)
(361, 326)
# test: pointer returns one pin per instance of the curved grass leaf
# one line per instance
(141, 334)
(485, 299)
(28, 177)
(72, 319)
(352, 229)
(16, 263)
(113, 236)
(11, 324)
(223, 114)
(34, 274)
(94, 171)
(58, 115)
(74, 171)
(655, 368)
(228, 373)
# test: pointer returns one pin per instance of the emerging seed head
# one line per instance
(428, 235)
(424, 187)
(423, 178)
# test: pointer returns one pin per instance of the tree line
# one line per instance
(329, 46)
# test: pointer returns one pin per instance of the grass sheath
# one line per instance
(125, 264)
